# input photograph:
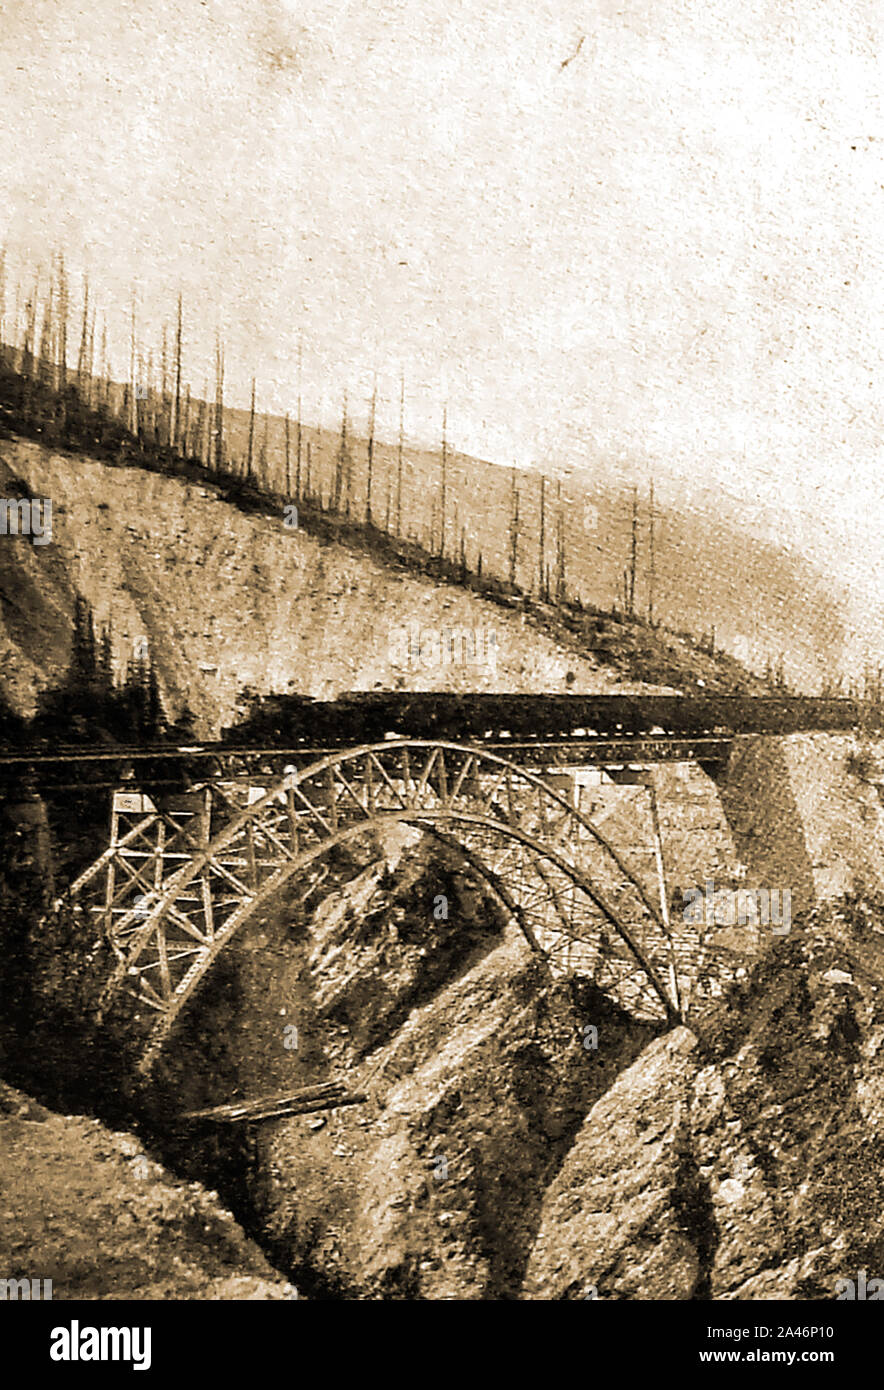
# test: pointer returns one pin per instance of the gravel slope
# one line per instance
(87, 1208)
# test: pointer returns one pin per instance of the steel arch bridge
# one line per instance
(176, 886)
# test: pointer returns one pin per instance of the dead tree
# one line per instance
(633, 553)
(62, 326)
(541, 548)
(399, 459)
(175, 424)
(561, 571)
(219, 406)
(133, 382)
(652, 558)
(444, 486)
(251, 433)
(371, 425)
(341, 475)
(300, 427)
(288, 458)
(514, 532)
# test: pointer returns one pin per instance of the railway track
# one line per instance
(535, 729)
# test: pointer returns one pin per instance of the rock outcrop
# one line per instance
(743, 1163)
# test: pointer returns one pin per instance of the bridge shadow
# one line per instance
(766, 822)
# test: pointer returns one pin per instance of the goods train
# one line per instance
(370, 717)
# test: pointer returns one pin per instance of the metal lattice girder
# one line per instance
(147, 844)
(572, 894)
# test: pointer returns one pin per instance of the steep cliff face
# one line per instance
(227, 601)
(477, 1067)
(743, 1163)
(497, 1155)
(523, 1138)
(433, 1192)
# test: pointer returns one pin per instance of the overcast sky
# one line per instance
(664, 254)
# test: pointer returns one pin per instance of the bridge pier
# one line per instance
(148, 840)
(26, 891)
(807, 816)
(28, 861)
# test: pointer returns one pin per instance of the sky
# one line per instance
(637, 237)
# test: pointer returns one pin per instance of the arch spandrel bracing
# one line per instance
(178, 882)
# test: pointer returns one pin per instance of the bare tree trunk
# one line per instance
(298, 463)
(514, 532)
(219, 406)
(133, 385)
(202, 430)
(399, 460)
(560, 547)
(164, 421)
(29, 348)
(45, 355)
(371, 425)
(542, 540)
(633, 551)
(62, 380)
(104, 368)
(263, 479)
(652, 571)
(91, 352)
(444, 487)
(175, 425)
(341, 466)
(3, 325)
(288, 458)
(151, 398)
(251, 432)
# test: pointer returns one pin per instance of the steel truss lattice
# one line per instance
(178, 882)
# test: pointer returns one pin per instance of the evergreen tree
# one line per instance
(84, 668)
(154, 717)
(105, 662)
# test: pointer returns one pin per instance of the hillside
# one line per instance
(229, 600)
(715, 566)
(499, 1157)
(110, 1222)
(495, 1156)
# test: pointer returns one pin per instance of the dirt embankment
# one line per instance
(87, 1208)
(228, 601)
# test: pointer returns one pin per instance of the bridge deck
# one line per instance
(582, 749)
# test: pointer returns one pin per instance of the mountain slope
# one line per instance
(229, 600)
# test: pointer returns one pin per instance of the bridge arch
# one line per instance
(572, 894)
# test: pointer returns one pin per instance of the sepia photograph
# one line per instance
(441, 666)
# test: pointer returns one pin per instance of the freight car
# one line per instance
(371, 717)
